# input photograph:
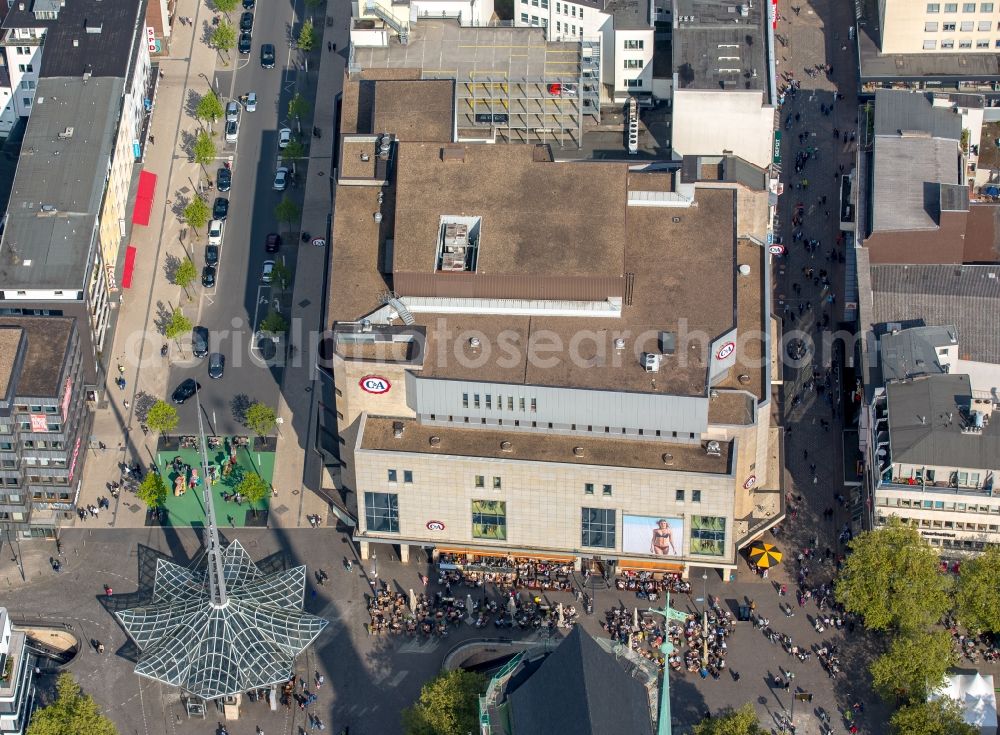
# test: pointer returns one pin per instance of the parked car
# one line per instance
(232, 111)
(252, 102)
(220, 208)
(208, 276)
(199, 341)
(224, 179)
(185, 390)
(273, 242)
(215, 232)
(281, 179)
(245, 43)
(246, 22)
(267, 56)
(267, 274)
(232, 131)
(284, 137)
(216, 365)
(212, 255)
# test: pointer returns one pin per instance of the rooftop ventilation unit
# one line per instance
(397, 429)
(456, 245)
(66, 134)
(651, 362)
(713, 449)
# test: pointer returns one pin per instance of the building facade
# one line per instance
(17, 678)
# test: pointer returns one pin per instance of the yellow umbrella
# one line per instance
(764, 555)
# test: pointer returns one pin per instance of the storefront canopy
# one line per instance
(144, 199)
(130, 254)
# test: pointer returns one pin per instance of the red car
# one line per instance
(273, 242)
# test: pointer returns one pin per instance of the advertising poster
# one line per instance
(655, 535)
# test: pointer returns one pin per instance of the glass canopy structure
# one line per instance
(189, 639)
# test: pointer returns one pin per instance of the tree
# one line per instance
(253, 487)
(314, 4)
(448, 705)
(936, 717)
(261, 419)
(209, 108)
(976, 598)
(891, 579)
(287, 211)
(72, 713)
(294, 151)
(225, 6)
(742, 721)
(196, 213)
(282, 274)
(177, 325)
(274, 322)
(298, 106)
(162, 417)
(307, 37)
(223, 37)
(204, 148)
(185, 273)
(152, 491)
(914, 665)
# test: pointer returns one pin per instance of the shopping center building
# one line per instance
(541, 361)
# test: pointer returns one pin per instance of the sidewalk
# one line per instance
(136, 348)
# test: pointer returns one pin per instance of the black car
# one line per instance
(246, 21)
(267, 56)
(224, 179)
(273, 242)
(220, 208)
(212, 255)
(208, 276)
(248, 4)
(199, 341)
(244, 43)
(185, 390)
(216, 365)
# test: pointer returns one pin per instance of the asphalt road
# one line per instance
(239, 301)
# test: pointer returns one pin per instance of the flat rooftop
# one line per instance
(379, 435)
(907, 170)
(59, 184)
(10, 340)
(48, 340)
(442, 49)
(716, 46)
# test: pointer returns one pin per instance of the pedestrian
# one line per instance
(152, 140)
(126, 405)
(102, 446)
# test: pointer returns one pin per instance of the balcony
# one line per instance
(940, 486)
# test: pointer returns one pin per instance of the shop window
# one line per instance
(598, 528)
(489, 520)
(382, 512)
(708, 535)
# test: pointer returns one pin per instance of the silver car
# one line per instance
(280, 179)
(232, 111)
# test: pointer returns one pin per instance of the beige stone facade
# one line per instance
(917, 26)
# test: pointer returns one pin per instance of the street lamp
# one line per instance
(209, 83)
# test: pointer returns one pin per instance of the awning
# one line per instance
(506, 552)
(649, 566)
(144, 198)
(130, 253)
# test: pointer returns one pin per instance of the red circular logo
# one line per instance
(776, 249)
(751, 481)
(375, 384)
(435, 526)
(725, 351)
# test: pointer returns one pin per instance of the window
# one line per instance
(26, 101)
(534, 405)
(545, 4)
(931, 27)
(588, 488)
(606, 490)
(465, 400)
(480, 481)
(524, 17)
(708, 535)
(489, 402)
(996, 44)
(633, 63)
(475, 401)
(408, 476)
(558, 26)
(633, 44)
(951, 7)
(598, 527)
(696, 496)
(573, 10)
(984, 26)
(968, 7)
(489, 520)
(558, 7)
(933, 7)
(581, 18)
(535, 3)
(948, 43)
(392, 475)
(22, 68)
(510, 403)
(965, 44)
(967, 26)
(679, 495)
(983, 43)
(633, 83)
(948, 27)
(930, 45)
(520, 403)
(497, 483)
(985, 7)
(382, 512)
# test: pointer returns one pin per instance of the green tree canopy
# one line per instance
(72, 713)
(253, 487)
(742, 721)
(274, 322)
(448, 705)
(162, 417)
(196, 213)
(209, 107)
(287, 211)
(298, 106)
(891, 579)
(225, 6)
(204, 148)
(282, 274)
(223, 36)
(177, 325)
(307, 36)
(294, 151)
(185, 273)
(152, 491)
(261, 419)
(976, 598)
(914, 665)
(938, 717)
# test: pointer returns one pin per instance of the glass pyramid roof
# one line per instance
(212, 650)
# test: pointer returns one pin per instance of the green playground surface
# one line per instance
(188, 509)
